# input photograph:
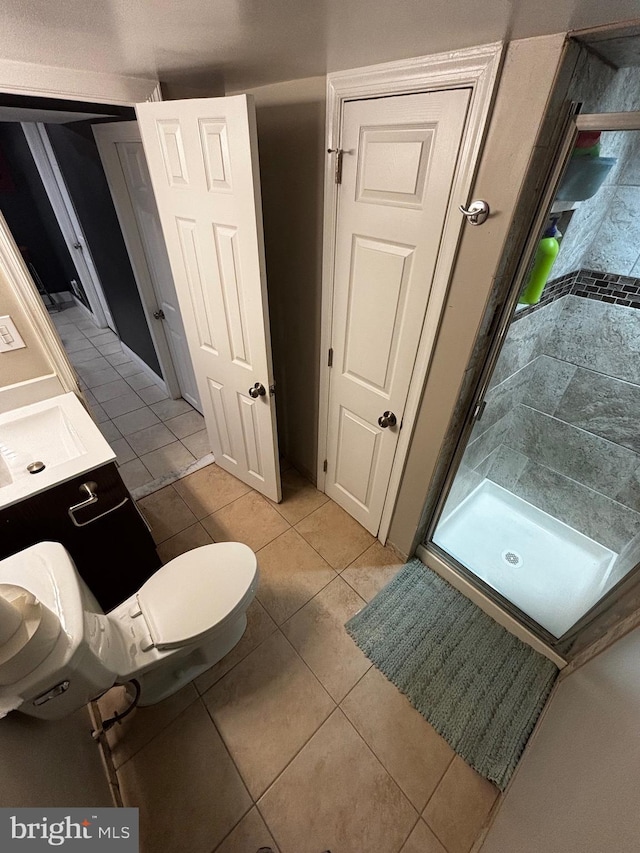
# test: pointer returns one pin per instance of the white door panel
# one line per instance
(398, 166)
(134, 166)
(125, 166)
(202, 158)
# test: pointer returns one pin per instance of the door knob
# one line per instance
(476, 213)
(258, 390)
(159, 314)
(388, 419)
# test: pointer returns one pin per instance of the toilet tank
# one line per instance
(79, 666)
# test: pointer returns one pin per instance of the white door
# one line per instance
(400, 155)
(125, 166)
(56, 188)
(203, 162)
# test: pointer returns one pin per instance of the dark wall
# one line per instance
(26, 207)
(79, 161)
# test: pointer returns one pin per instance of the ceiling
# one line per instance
(249, 43)
(46, 116)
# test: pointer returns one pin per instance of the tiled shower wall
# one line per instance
(560, 428)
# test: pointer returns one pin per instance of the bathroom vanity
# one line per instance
(77, 499)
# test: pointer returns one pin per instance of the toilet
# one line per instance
(59, 650)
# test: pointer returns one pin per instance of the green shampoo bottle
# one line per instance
(546, 254)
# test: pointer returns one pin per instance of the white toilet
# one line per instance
(58, 650)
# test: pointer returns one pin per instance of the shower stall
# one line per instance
(541, 508)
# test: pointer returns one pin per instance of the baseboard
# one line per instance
(144, 367)
(89, 314)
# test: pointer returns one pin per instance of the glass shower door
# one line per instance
(544, 510)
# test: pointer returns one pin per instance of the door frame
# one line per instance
(476, 68)
(497, 606)
(25, 78)
(70, 226)
(141, 271)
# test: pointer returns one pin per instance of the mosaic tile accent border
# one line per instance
(589, 284)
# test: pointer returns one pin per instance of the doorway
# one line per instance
(114, 357)
(541, 511)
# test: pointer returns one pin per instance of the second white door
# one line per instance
(400, 155)
(125, 166)
(203, 161)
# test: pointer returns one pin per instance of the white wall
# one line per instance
(576, 790)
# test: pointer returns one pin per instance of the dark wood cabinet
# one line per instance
(112, 548)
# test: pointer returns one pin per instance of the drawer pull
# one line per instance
(91, 490)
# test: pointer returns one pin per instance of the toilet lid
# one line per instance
(196, 591)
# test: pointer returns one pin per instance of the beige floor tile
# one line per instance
(249, 835)
(168, 459)
(109, 430)
(166, 512)
(134, 474)
(166, 409)
(299, 496)
(137, 381)
(335, 535)
(250, 519)
(150, 438)
(111, 390)
(98, 413)
(291, 573)
(188, 791)
(95, 378)
(335, 795)
(143, 724)
(198, 443)
(123, 450)
(460, 806)
(83, 356)
(117, 358)
(136, 421)
(422, 840)
(372, 570)
(192, 537)
(209, 489)
(152, 394)
(130, 369)
(123, 405)
(186, 424)
(410, 749)
(111, 348)
(259, 626)
(266, 709)
(318, 634)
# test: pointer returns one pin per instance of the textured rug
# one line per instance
(479, 686)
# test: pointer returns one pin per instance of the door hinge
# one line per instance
(339, 155)
(324, 466)
(330, 358)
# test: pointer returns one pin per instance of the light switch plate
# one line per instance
(9, 336)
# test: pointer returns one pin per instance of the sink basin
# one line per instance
(58, 433)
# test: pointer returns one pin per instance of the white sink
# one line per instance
(60, 434)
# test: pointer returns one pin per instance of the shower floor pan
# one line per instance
(546, 568)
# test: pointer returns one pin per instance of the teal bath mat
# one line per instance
(479, 686)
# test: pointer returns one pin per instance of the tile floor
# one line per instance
(153, 437)
(293, 740)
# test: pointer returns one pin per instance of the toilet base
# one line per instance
(163, 681)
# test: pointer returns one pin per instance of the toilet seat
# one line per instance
(196, 592)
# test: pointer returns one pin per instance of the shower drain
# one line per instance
(512, 558)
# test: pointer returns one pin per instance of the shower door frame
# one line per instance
(443, 563)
